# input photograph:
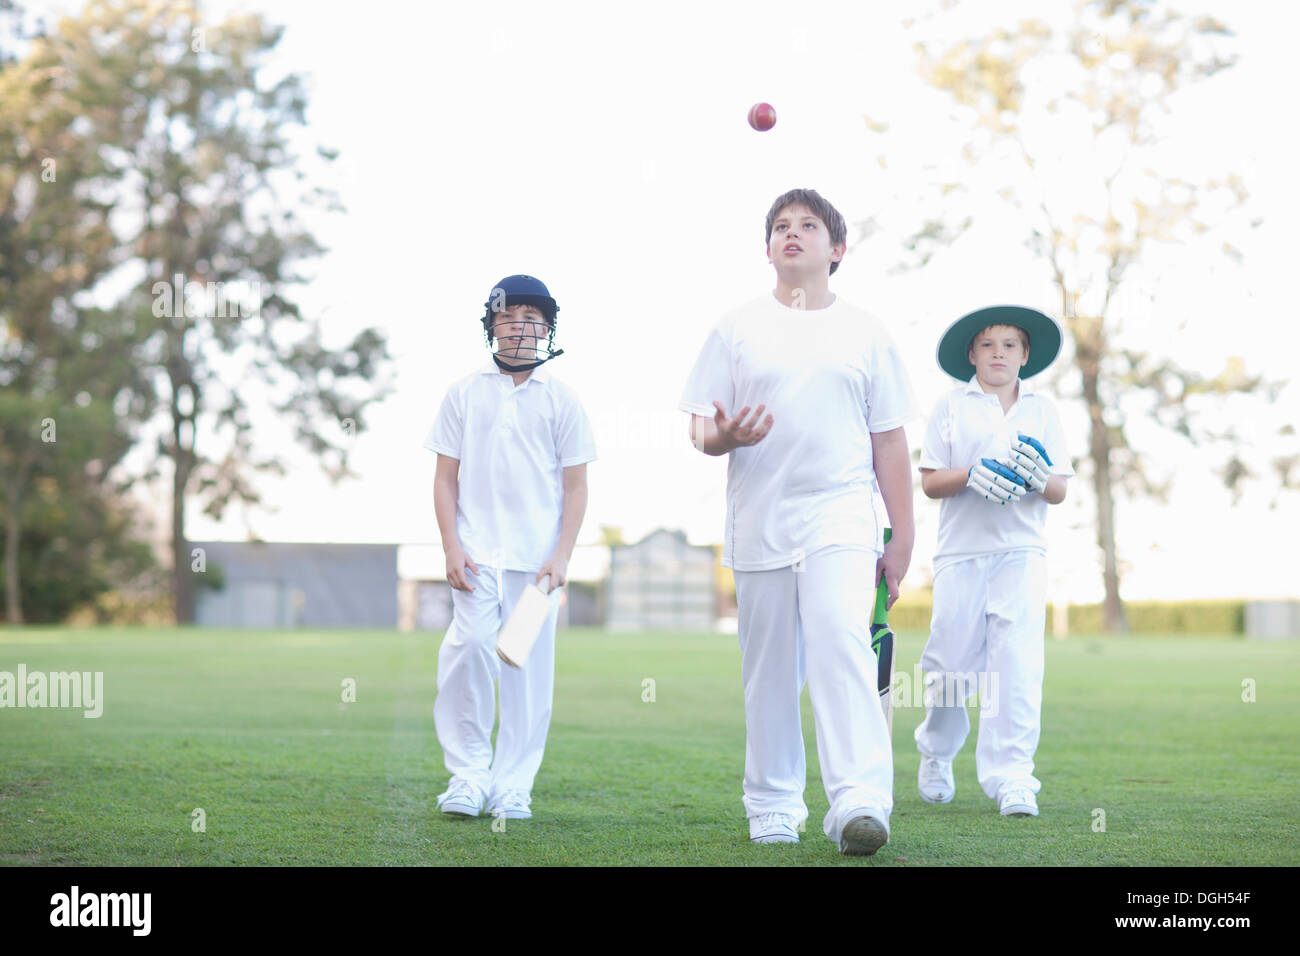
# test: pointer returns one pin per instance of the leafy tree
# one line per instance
(79, 537)
(209, 195)
(1101, 80)
(66, 416)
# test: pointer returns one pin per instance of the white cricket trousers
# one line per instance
(987, 626)
(468, 669)
(813, 624)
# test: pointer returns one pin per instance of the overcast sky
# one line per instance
(605, 150)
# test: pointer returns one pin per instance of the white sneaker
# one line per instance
(934, 780)
(774, 828)
(462, 799)
(863, 836)
(1017, 801)
(511, 804)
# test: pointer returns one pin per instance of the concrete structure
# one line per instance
(283, 584)
(662, 583)
(426, 605)
(425, 599)
(1273, 620)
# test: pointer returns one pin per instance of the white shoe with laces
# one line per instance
(774, 828)
(935, 781)
(461, 799)
(511, 804)
(1017, 801)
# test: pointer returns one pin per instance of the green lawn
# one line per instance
(251, 728)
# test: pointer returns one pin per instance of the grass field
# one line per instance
(251, 728)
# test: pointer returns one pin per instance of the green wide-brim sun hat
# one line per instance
(1044, 339)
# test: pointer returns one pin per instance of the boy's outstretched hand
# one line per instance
(738, 433)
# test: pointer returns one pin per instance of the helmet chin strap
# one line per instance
(525, 367)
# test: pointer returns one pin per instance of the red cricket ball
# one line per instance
(762, 117)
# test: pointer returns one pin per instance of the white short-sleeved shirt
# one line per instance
(513, 444)
(968, 424)
(829, 377)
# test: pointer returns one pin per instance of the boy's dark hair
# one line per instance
(819, 207)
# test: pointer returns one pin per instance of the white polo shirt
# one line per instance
(513, 444)
(830, 377)
(968, 424)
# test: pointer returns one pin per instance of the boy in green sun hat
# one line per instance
(995, 455)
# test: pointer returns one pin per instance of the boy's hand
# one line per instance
(1029, 460)
(738, 432)
(995, 481)
(558, 568)
(893, 564)
(458, 560)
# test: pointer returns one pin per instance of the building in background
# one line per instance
(284, 584)
(1273, 620)
(425, 605)
(425, 595)
(662, 583)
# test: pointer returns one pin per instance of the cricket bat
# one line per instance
(515, 640)
(882, 642)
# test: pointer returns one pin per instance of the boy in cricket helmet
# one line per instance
(520, 324)
(510, 492)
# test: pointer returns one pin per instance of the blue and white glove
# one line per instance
(1029, 460)
(995, 481)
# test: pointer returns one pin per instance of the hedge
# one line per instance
(1144, 617)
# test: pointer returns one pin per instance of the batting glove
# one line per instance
(1029, 460)
(995, 481)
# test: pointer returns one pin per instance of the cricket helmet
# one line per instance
(522, 290)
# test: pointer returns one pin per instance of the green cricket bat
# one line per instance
(882, 642)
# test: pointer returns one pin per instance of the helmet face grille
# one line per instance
(521, 342)
(519, 323)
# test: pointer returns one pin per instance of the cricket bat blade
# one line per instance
(515, 640)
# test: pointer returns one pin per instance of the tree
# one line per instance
(1102, 80)
(78, 539)
(204, 148)
(65, 417)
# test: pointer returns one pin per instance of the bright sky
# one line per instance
(605, 150)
